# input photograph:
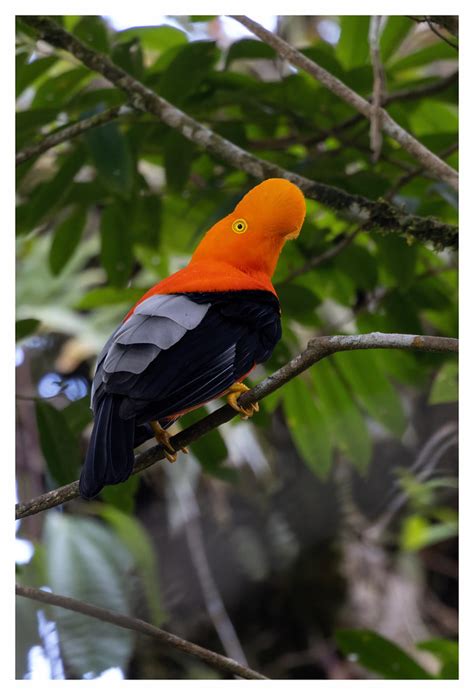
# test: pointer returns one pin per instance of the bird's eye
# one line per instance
(239, 226)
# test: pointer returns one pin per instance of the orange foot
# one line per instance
(163, 438)
(232, 395)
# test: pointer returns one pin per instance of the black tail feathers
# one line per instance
(109, 457)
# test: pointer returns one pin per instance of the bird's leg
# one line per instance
(163, 438)
(233, 393)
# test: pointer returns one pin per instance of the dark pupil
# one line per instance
(240, 225)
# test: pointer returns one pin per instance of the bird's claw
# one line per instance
(163, 438)
(234, 393)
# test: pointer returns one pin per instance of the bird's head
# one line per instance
(252, 235)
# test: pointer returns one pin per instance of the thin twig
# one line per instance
(212, 597)
(430, 161)
(324, 257)
(67, 133)
(440, 35)
(375, 30)
(317, 349)
(413, 173)
(373, 215)
(222, 663)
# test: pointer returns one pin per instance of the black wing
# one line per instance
(237, 330)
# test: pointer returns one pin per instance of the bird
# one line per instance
(194, 336)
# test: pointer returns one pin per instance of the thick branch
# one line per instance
(316, 350)
(222, 663)
(429, 160)
(67, 133)
(372, 215)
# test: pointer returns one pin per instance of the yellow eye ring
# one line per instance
(239, 226)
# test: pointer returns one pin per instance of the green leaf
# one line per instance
(58, 443)
(353, 45)
(447, 652)
(112, 157)
(398, 258)
(186, 72)
(48, 196)
(138, 543)
(211, 450)
(158, 39)
(26, 633)
(28, 72)
(308, 426)
(298, 303)
(92, 30)
(349, 430)
(246, 49)
(88, 562)
(396, 29)
(358, 263)
(78, 414)
(129, 56)
(439, 50)
(122, 496)
(445, 385)
(372, 388)
(178, 156)
(106, 296)
(379, 655)
(417, 532)
(116, 244)
(58, 90)
(25, 327)
(65, 240)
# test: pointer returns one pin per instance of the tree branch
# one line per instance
(67, 133)
(372, 215)
(316, 350)
(429, 160)
(222, 663)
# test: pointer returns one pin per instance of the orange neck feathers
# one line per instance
(240, 252)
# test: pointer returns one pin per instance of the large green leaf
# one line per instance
(398, 258)
(210, 450)
(249, 49)
(178, 156)
(26, 633)
(395, 31)
(379, 655)
(92, 30)
(112, 157)
(372, 389)
(28, 72)
(58, 443)
(116, 244)
(445, 386)
(158, 39)
(88, 562)
(48, 196)
(185, 73)
(66, 239)
(349, 430)
(59, 89)
(447, 652)
(308, 425)
(353, 45)
(439, 50)
(138, 543)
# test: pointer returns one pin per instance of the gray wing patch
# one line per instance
(157, 324)
(179, 309)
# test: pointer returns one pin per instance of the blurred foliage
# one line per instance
(105, 215)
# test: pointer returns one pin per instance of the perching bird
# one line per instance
(194, 336)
